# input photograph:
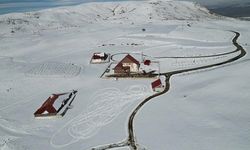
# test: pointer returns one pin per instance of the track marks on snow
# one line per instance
(108, 104)
(54, 69)
(10, 143)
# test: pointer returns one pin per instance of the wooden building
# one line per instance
(157, 86)
(55, 105)
(127, 65)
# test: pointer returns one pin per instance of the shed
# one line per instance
(147, 62)
(157, 85)
(99, 57)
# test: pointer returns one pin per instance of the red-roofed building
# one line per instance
(47, 107)
(99, 58)
(127, 65)
(157, 85)
(147, 62)
(54, 104)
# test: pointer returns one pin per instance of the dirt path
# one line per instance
(131, 140)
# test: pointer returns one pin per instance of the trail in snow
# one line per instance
(107, 102)
(54, 69)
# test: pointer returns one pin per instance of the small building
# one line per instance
(147, 62)
(157, 85)
(99, 57)
(127, 65)
(55, 105)
(48, 108)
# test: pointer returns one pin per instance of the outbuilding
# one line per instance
(99, 57)
(157, 86)
(147, 62)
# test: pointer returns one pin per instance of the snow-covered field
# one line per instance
(49, 51)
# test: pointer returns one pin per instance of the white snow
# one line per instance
(53, 69)
(48, 51)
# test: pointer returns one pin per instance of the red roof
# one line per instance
(156, 83)
(147, 62)
(132, 59)
(48, 104)
(102, 56)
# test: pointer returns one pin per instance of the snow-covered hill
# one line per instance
(108, 12)
(49, 52)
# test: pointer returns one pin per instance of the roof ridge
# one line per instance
(129, 57)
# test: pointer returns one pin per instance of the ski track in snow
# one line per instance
(9, 143)
(54, 69)
(108, 104)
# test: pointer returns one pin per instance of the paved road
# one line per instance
(131, 140)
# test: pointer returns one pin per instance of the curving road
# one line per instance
(238, 48)
(131, 137)
(131, 140)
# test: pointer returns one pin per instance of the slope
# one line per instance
(50, 52)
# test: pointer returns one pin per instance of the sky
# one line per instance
(8, 6)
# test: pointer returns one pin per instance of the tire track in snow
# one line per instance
(54, 69)
(108, 104)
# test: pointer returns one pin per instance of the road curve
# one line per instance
(131, 137)
(238, 48)
(131, 140)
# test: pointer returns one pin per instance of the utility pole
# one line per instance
(142, 59)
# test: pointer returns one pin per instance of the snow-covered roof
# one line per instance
(101, 54)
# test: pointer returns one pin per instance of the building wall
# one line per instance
(119, 71)
(96, 61)
(133, 67)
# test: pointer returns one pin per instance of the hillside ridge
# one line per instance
(125, 12)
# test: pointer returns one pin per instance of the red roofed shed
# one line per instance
(147, 62)
(157, 85)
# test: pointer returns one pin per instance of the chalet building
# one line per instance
(127, 65)
(157, 85)
(47, 107)
(55, 105)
